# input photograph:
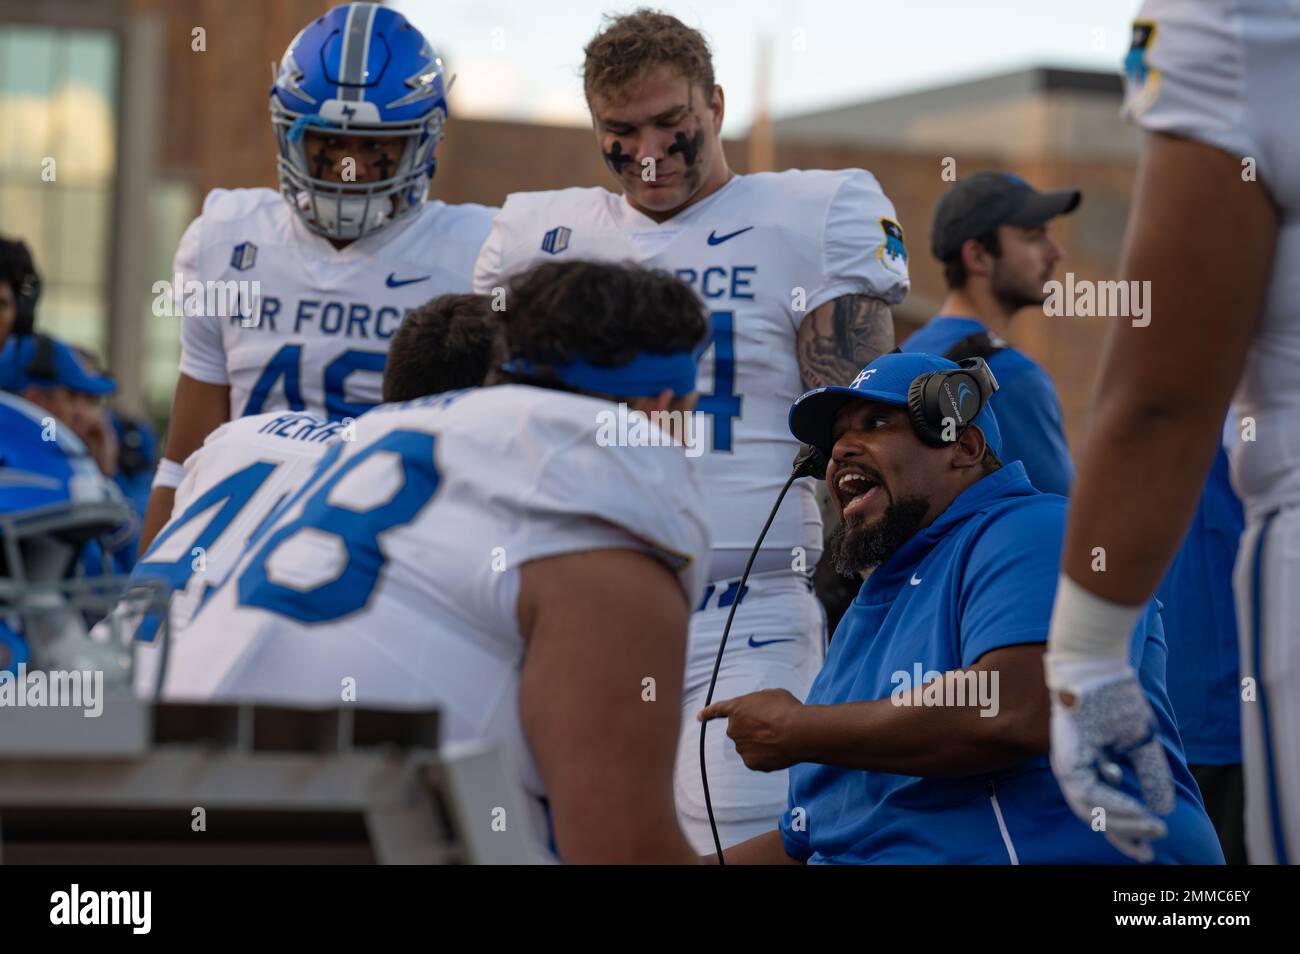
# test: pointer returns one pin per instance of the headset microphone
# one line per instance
(810, 462)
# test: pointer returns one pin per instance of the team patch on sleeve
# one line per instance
(893, 253)
(556, 240)
(1141, 80)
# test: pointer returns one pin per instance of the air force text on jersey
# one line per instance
(348, 319)
(243, 303)
(721, 281)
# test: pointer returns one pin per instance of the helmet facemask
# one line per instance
(350, 210)
(358, 70)
(71, 623)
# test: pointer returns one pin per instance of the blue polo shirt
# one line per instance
(1200, 619)
(981, 576)
(1027, 409)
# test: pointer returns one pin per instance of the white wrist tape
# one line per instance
(169, 474)
(1087, 633)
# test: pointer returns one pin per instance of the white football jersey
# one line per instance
(231, 485)
(762, 252)
(1227, 73)
(290, 322)
(391, 579)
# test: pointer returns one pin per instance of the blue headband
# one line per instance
(309, 119)
(646, 375)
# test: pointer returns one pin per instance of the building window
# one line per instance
(58, 159)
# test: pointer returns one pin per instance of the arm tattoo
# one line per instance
(840, 338)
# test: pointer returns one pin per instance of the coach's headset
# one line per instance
(932, 408)
(19, 271)
(26, 282)
(42, 366)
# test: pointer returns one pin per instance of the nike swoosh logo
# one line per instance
(768, 642)
(395, 282)
(915, 580)
(716, 239)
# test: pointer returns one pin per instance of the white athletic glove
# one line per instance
(1104, 721)
(1108, 722)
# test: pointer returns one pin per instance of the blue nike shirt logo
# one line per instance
(716, 239)
(395, 282)
(768, 642)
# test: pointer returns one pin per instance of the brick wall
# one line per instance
(216, 132)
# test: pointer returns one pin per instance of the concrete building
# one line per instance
(1024, 115)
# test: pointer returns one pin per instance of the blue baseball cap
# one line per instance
(45, 361)
(887, 380)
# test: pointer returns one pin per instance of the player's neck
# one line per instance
(713, 184)
(968, 303)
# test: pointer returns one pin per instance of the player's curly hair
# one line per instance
(448, 343)
(605, 312)
(632, 44)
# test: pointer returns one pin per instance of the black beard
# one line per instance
(1009, 295)
(854, 549)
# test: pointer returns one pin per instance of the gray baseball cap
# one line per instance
(979, 203)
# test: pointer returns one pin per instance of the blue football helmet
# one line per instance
(54, 502)
(361, 69)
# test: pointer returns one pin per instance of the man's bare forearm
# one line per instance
(198, 409)
(1165, 387)
(156, 514)
(765, 849)
(942, 741)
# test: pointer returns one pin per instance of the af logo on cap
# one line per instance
(862, 376)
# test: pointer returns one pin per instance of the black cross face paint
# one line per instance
(322, 161)
(688, 147)
(616, 159)
(384, 163)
